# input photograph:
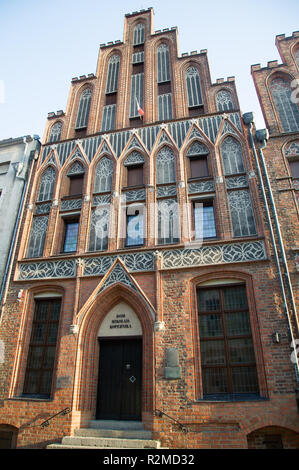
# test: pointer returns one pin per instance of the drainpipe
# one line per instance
(262, 136)
(12, 249)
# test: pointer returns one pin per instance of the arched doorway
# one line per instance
(8, 436)
(119, 391)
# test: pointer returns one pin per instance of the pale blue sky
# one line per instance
(44, 43)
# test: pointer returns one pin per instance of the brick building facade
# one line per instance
(145, 285)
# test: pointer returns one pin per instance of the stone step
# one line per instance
(115, 425)
(104, 443)
(117, 433)
(61, 446)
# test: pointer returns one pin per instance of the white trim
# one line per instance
(220, 282)
(46, 295)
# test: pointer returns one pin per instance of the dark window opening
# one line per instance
(273, 441)
(137, 68)
(110, 99)
(42, 349)
(76, 185)
(294, 168)
(196, 110)
(135, 175)
(164, 88)
(199, 167)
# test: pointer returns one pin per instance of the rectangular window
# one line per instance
(108, 119)
(241, 211)
(42, 349)
(294, 167)
(204, 220)
(70, 235)
(37, 236)
(134, 227)
(135, 175)
(136, 94)
(76, 185)
(226, 346)
(168, 222)
(199, 167)
(165, 107)
(138, 57)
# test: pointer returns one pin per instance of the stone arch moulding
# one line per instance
(109, 293)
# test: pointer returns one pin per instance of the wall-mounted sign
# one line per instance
(121, 321)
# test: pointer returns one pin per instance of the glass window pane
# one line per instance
(212, 353)
(237, 324)
(210, 325)
(71, 235)
(32, 382)
(52, 333)
(134, 229)
(35, 357)
(241, 351)
(208, 300)
(46, 382)
(245, 380)
(49, 358)
(235, 298)
(55, 310)
(39, 333)
(41, 311)
(214, 381)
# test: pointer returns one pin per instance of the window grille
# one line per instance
(46, 186)
(42, 348)
(224, 101)
(136, 93)
(99, 226)
(103, 176)
(193, 87)
(204, 220)
(37, 237)
(168, 222)
(226, 346)
(83, 110)
(232, 156)
(165, 166)
(287, 110)
(163, 64)
(55, 132)
(241, 213)
(165, 107)
(71, 236)
(112, 74)
(138, 35)
(138, 57)
(108, 120)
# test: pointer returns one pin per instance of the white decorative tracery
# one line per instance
(241, 213)
(138, 35)
(37, 237)
(197, 148)
(112, 74)
(232, 156)
(55, 132)
(76, 169)
(47, 185)
(165, 166)
(103, 176)
(193, 87)
(224, 101)
(135, 158)
(163, 63)
(287, 110)
(99, 226)
(83, 110)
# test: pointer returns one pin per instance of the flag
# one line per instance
(140, 110)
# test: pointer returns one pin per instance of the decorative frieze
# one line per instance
(233, 182)
(134, 262)
(101, 199)
(137, 195)
(71, 204)
(201, 187)
(42, 209)
(47, 269)
(165, 191)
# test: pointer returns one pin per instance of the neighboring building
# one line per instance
(16, 157)
(145, 266)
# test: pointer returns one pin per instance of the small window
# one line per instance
(42, 349)
(273, 441)
(71, 229)
(135, 175)
(199, 167)
(294, 168)
(134, 227)
(76, 185)
(204, 220)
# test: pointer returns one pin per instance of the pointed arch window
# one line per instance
(55, 132)
(165, 166)
(287, 110)
(46, 186)
(103, 176)
(99, 226)
(37, 237)
(224, 101)
(163, 64)
(193, 87)
(84, 108)
(112, 75)
(168, 222)
(232, 156)
(138, 35)
(76, 175)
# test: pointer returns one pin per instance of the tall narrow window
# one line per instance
(232, 156)
(287, 110)
(108, 120)
(204, 220)
(136, 94)
(197, 154)
(83, 110)
(165, 169)
(193, 87)
(76, 176)
(168, 222)
(103, 177)
(42, 348)
(37, 237)
(134, 226)
(99, 226)
(163, 63)
(165, 107)
(71, 228)
(241, 213)
(55, 132)
(46, 185)
(138, 35)
(224, 101)
(112, 75)
(226, 346)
